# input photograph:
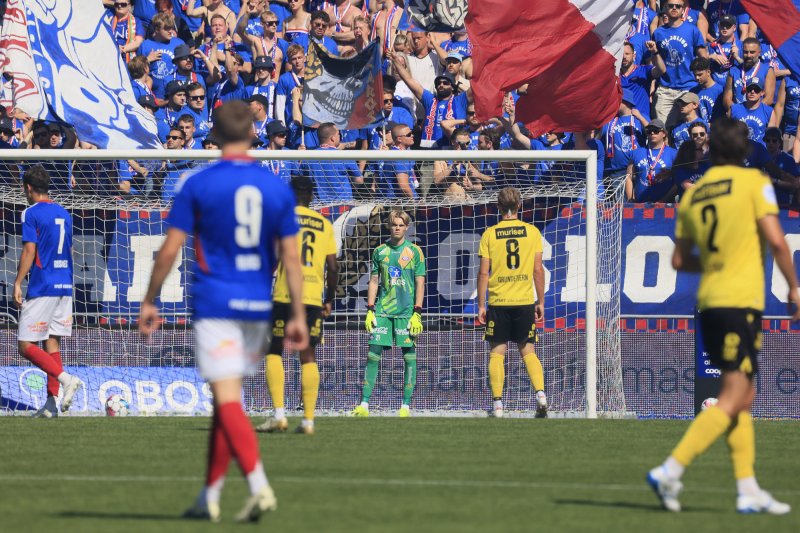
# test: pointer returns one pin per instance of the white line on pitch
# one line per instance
(373, 481)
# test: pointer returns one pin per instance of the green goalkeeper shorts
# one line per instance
(391, 332)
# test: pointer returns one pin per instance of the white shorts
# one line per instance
(227, 348)
(44, 316)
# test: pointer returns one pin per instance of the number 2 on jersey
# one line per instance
(248, 205)
(709, 215)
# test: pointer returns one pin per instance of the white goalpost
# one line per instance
(116, 235)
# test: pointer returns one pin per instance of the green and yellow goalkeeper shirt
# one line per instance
(397, 268)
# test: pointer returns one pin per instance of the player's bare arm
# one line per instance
(538, 283)
(331, 281)
(483, 286)
(770, 228)
(148, 313)
(683, 258)
(296, 328)
(419, 291)
(25, 264)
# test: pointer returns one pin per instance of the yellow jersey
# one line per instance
(719, 214)
(315, 242)
(511, 246)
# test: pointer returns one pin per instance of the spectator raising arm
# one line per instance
(519, 139)
(405, 75)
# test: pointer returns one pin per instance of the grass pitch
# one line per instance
(384, 475)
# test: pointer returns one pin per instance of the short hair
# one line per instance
(178, 130)
(238, 58)
(729, 144)
(389, 83)
(401, 38)
(163, 20)
(321, 15)
(294, 49)
(458, 132)
(628, 43)
(773, 132)
(360, 18)
(233, 122)
(217, 16)
(138, 67)
(186, 117)
(398, 213)
(37, 178)
(302, 185)
(492, 136)
(700, 63)
(509, 200)
(325, 131)
(266, 13)
(751, 40)
(396, 129)
(193, 87)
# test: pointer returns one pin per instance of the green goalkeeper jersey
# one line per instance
(397, 268)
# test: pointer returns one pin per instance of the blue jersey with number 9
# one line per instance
(235, 209)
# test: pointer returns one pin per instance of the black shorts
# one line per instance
(280, 314)
(732, 338)
(512, 323)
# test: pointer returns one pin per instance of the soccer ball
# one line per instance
(708, 402)
(116, 405)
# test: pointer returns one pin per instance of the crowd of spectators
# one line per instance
(685, 63)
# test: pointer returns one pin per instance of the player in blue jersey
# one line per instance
(46, 312)
(239, 213)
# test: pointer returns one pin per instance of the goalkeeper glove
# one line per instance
(415, 324)
(370, 322)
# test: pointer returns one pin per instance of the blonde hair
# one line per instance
(398, 213)
(509, 200)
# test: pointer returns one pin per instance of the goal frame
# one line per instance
(588, 157)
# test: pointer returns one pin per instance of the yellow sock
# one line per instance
(497, 375)
(742, 445)
(309, 380)
(706, 428)
(535, 371)
(275, 379)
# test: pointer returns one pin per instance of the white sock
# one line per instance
(64, 378)
(747, 486)
(673, 468)
(257, 479)
(541, 397)
(498, 404)
(365, 405)
(404, 406)
(280, 412)
(211, 493)
(307, 423)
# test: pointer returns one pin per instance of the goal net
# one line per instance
(119, 228)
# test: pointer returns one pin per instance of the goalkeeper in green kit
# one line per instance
(394, 308)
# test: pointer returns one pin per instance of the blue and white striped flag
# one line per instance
(70, 70)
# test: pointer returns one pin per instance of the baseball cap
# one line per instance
(275, 127)
(181, 50)
(175, 86)
(260, 98)
(6, 124)
(727, 19)
(754, 84)
(455, 55)
(263, 62)
(147, 100)
(210, 139)
(656, 124)
(689, 98)
(442, 78)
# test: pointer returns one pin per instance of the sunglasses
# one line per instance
(270, 23)
(319, 25)
(442, 82)
(174, 138)
(651, 131)
(279, 135)
(116, 4)
(409, 134)
(197, 97)
(698, 135)
(754, 90)
(470, 113)
(725, 25)
(674, 6)
(388, 101)
(772, 140)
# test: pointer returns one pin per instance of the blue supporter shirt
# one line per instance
(742, 78)
(399, 115)
(758, 156)
(640, 21)
(161, 85)
(786, 163)
(161, 68)
(639, 44)
(144, 11)
(332, 178)
(286, 83)
(638, 83)
(122, 29)
(225, 91)
(757, 119)
(683, 173)
(388, 187)
(193, 23)
(791, 108)
(710, 101)
(282, 169)
(202, 124)
(437, 110)
(720, 72)
(647, 164)
(49, 227)
(680, 133)
(235, 209)
(621, 136)
(462, 47)
(677, 48)
(173, 173)
(327, 42)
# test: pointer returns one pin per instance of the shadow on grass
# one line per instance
(628, 505)
(110, 515)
